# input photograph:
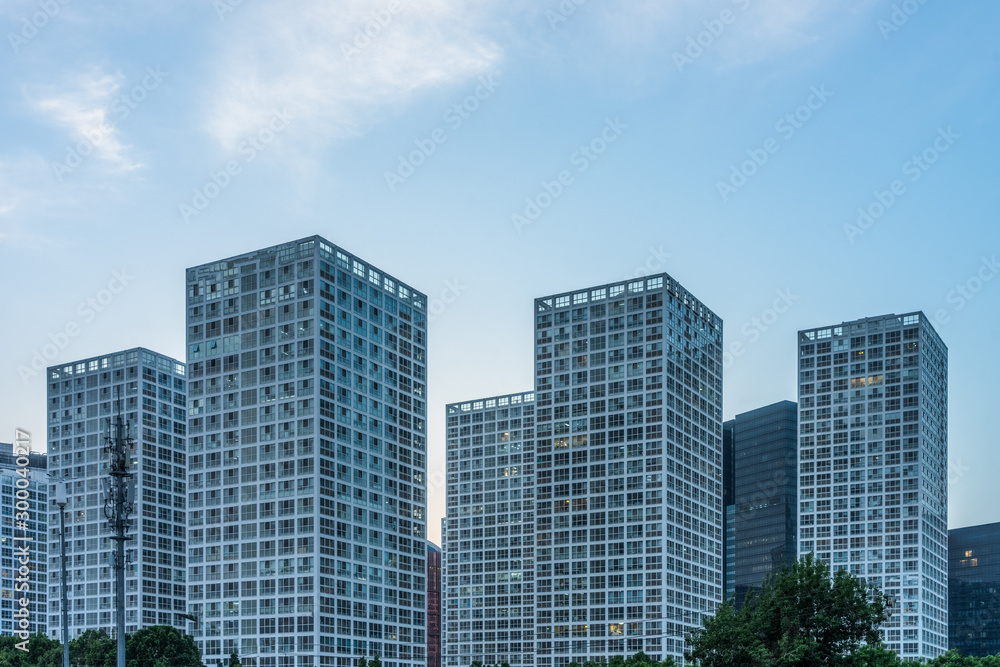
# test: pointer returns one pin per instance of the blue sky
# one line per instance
(492, 152)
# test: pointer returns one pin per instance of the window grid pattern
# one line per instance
(628, 387)
(873, 466)
(489, 524)
(82, 397)
(35, 529)
(308, 459)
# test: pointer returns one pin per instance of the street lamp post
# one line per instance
(61, 504)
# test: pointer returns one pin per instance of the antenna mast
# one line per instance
(118, 505)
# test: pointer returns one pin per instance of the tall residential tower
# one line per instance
(628, 478)
(873, 463)
(488, 535)
(151, 391)
(23, 484)
(308, 492)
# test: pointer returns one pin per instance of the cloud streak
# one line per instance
(82, 107)
(339, 67)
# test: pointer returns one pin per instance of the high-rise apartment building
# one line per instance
(763, 459)
(151, 391)
(628, 478)
(434, 598)
(444, 578)
(873, 463)
(974, 590)
(307, 467)
(24, 508)
(489, 533)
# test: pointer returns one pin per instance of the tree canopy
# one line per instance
(155, 646)
(801, 617)
(42, 652)
(162, 646)
(94, 648)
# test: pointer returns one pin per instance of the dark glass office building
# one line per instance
(728, 504)
(761, 517)
(974, 590)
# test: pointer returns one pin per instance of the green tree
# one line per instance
(234, 660)
(93, 648)
(362, 661)
(162, 646)
(879, 656)
(375, 661)
(955, 659)
(42, 652)
(801, 617)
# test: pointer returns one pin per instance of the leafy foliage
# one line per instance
(162, 646)
(866, 655)
(638, 660)
(42, 652)
(156, 646)
(800, 618)
(94, 648)
(955, 659)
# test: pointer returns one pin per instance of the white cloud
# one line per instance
(316, 61)
(634, 40)
(82, 106)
